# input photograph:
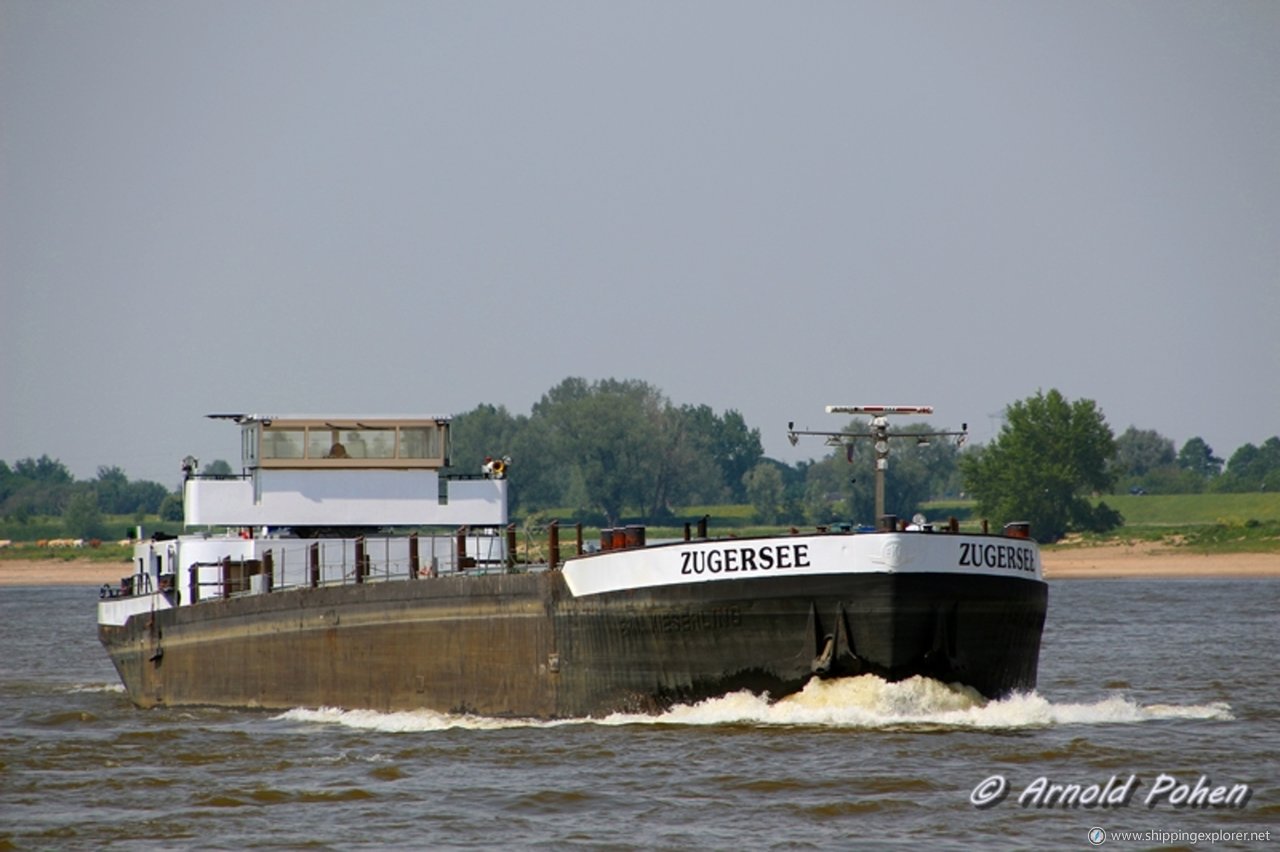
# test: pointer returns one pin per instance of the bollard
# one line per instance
(1017, 529)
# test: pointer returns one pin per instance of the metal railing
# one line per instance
(328, 562)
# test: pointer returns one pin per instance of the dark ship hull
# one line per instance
(524, 645)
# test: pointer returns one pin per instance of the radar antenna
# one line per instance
(880, 434)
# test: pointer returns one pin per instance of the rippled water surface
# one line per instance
(1139, 679)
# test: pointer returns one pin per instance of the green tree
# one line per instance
(1252, 468)
(44, 470)
(764, 489)
(733, 446)
(489, 431)
(83, 518)
(111, 486)
(144, 497)
(686, 469)
(1145, 461)
(218, 467)
(486, 431)
(618, 445)
(171, 508)
(1050, 455)
(1141, 451)
(829, 492)
(920, 469)
(118, 496)
(41, 486)
(604, 435)
(1166, 480)
(736, 449)
(1197, 458)
(10, 482)
(608, 435)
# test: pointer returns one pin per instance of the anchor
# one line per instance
(940, 659)
(837, 656)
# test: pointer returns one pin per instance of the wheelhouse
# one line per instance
(320, 443)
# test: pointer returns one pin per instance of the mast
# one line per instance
(880, 434)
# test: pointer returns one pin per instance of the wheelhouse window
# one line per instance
(283, 443)
(325, 444)
(249, 436)
(420, 443)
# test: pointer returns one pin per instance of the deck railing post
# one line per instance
(553, 544)
(460, 553)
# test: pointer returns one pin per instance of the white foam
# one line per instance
(402, 721)
(859, 702)
(97, 687)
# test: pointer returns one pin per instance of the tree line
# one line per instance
(614, 451)
(44, 487)
(610, 452)
(618, 451)
(1146, 462)
(613, 448)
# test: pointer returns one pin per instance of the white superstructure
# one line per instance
(342, 471)
(308, 508)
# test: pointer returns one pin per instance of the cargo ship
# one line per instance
(343, 568)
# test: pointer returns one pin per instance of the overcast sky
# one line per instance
(418, 207)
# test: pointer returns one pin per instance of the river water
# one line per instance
(1156, 698)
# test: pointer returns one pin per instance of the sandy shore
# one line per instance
(1118, 560)
(1145, 559)
(59, 572)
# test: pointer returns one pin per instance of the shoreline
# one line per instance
(1112, 561)
(1150, 560)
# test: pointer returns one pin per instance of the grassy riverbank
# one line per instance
(1204, 524)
